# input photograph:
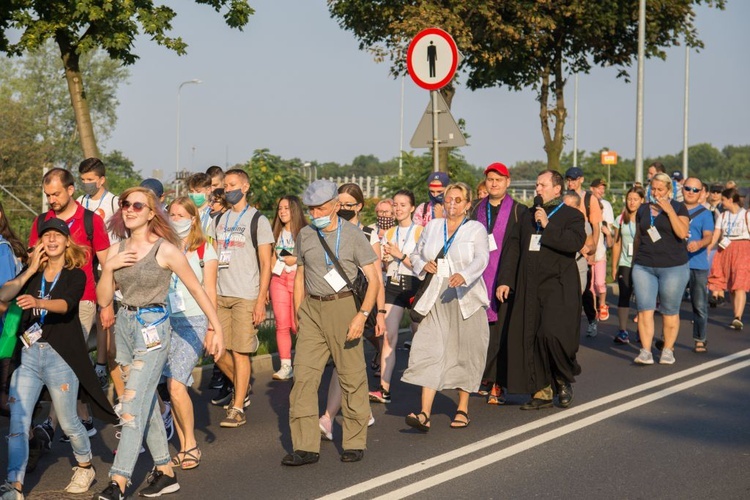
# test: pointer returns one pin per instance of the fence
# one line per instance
(370, 184)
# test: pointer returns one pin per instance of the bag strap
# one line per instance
(201, 252)
(254, 235)
(697, 212)
(335, 261)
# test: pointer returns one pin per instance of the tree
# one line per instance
(270, 179)
(120, 172)
(525, 43)
(78, 28)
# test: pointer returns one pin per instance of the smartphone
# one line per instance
(285, 253)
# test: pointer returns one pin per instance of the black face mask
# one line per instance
(347, 214)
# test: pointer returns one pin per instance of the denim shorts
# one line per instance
(666, 283)
(188, 334)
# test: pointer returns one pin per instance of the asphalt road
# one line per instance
(677, 431)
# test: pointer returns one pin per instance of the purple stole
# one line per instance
(498, 232)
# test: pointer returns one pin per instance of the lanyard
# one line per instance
(152, 309)
(401, 249)
(631, 226)
(448, 242)
(101, 200)
(205, 216)
(43, 293)
(174, 275)
(489, 214)
(329, 263)
(731, 223)
(432, 210)
(539, 225)
(226, 225)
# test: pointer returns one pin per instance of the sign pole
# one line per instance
(435, 136)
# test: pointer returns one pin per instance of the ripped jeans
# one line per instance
(41, 365)
(138, 407)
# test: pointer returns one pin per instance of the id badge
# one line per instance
(724, 243)
(443, 269)
(492, 242)
(629, 250)
(31, 335)
(224, 257)
(176, 302)
(395, 279)
(654, 234)
(335, 280)
(535, 244)
(151, 338)
(278, 268)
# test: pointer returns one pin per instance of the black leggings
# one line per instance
(626, 286)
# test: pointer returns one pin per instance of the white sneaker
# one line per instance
(644, 358)
(82, 479)
(285, 373)
(8, 492)
(371, 421)
(667, 357)
(592, 330)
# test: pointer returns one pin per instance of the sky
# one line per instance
(295, 83)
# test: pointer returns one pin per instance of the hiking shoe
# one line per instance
(592, 330)
(286, 372)
(245, 403)
(300, 457)
(90, 430)
(644, 358)
(667, 357)
(736, 324)
(604, 312)
(8, 492)
(326, 428)
(218, 379)
(111, 492)
(102, 375)
(235, 418)
(380, 395)
(81, 480)
(224, 396)
(622, 337)
(159, 484)
(168, 420)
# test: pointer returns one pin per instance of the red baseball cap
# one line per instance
(498, 168)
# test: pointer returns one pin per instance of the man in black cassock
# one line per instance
(544, 327)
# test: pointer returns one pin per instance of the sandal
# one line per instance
(192, 457)
(460, 424)
(701, 347)
(413, 420)
(176, 460)
(495, 396)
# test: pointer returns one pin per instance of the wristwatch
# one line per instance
(364, 313)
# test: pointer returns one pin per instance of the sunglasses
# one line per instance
(137, 206)
(456, 199)
(716, 191)
(691, 189)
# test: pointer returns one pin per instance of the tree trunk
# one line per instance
(553, 139)
(444, 153)
(78, 100)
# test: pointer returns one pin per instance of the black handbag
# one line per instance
(358, 288)
(414, 315)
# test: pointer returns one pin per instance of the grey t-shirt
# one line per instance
(242, 278)
(354, 251)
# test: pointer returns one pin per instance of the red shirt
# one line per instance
(78, 235)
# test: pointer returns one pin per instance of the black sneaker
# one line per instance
(159, 484)
(44, 433)
(224, 396)
(111, 492)
(218, 379)
(90, 430)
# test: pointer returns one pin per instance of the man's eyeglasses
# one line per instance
(137, 206)
(691, 189)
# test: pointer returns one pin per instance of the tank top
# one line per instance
(145, 282)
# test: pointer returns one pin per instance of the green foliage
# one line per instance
(120, 172)
(270, 179)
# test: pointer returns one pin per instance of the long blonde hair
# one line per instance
(195, 237)
(158, 225)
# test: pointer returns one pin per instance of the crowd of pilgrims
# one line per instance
(492, 289)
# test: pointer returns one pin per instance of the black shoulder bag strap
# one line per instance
(337, 265)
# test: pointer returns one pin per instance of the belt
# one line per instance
(333, 296)
(147, 306)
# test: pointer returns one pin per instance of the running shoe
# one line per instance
(286, 372)
(82, 479)
(380, 395)
(667, 357)
(644, 358)
(622, 337)
(168, 420)
(604, 312)
(159, 484)
(592, 330)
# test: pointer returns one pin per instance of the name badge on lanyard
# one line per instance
(443, 269)
(654, 234)
(535, 244)
(149, 332)
(278, 268)
(335, 280)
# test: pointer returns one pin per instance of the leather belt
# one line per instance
(147, 306)
(333, 296)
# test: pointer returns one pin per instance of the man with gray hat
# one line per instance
(329, 325)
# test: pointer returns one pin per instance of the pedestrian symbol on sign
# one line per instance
(432, 57)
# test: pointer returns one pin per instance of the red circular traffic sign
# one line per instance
(432, 58)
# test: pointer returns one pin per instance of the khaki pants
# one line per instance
(322, 332)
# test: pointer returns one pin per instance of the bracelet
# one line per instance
(381, 311)
(210, 329)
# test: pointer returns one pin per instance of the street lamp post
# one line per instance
(177, 160)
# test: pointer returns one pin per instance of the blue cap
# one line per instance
(320, 192)
(154, 185)
(573, 173)
(438, 179)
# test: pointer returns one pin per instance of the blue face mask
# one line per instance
(321, 222)
(233, 197)
(437, 199)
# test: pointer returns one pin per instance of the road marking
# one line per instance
(517, 431)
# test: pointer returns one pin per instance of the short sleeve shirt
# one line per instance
(105, 207)
(627, 237)
(700, 223)
(241, 279)
(354, 251)
(176, 285)
(669, 250)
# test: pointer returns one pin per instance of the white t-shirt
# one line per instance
(608, 216)
(734, 226)
(406, 239)
(105, 207)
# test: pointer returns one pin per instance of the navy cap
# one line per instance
(437, 179)
(320, 192)
(677, 175)
(154, 185)
(53, 224)
(573, 173)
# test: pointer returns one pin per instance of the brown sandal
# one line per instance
(193, 457)
(701, 346)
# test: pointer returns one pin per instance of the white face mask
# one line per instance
(182, 227)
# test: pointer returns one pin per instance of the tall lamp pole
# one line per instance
(686, 109)
(639, 91)
(575, 123)
(177, 160)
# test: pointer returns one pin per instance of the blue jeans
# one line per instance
(668, 283)
(41, 365)
(699, 298)
(141, 370)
